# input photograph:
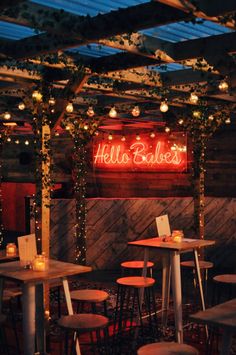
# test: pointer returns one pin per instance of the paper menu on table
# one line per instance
(163, 225)
(27, 247)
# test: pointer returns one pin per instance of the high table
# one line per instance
(32, 283)
(223, 315)
(170, 252)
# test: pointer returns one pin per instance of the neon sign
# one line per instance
(156, 154)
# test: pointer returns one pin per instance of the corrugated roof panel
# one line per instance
(183, 31)
(89, 7)
(15, 32)
(95, 50)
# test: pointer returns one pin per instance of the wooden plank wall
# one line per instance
(111, 223)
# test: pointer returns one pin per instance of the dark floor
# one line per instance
(193, 333)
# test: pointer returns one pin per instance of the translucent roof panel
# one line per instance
(169, 67)
(183, 31)
(15, 32)
(89, 7)
(95, 50)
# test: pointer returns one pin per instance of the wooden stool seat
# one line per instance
(89, 295)
(136, 281)
(202, 264)
(167, 348)
(85, 322)
(227, 278)
(136, 264)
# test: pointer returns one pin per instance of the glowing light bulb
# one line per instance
(86, 127)
(90, 111)
(37, 96)
(69, 107)
(180, 121)
(135, 111)
(138, 137)
(51, 101)
(193, 98)
(152, 135)
(57, 133)
(21, 106)
(9, 139)
(228, 121)
(67, 127)
(211, 118)
(17, 141)
(164, 106)
(7, 116)
(223, 85)
(26, 142)
(196, 114)
(110, 137)
(123, 139)
(113, 112)
(167, 129)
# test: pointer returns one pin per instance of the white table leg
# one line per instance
(199, 279)
(177, 294)
(166, 272)
(28, 305)
(69, 307)
(226, 342)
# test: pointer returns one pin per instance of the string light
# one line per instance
(9, 139)
(57, 133)
(113, 112)
(110, 137)
(152, 134)
(180, 121)
(86, 127)
(67, 127)
(196, 114)
(211, 118)
(138, 137)
(193, 98)
(69, 107)
(167, 129)
(52, 101)
(21, 106)
(123, 139)
(228, 121)
(90, 112)
(223, 85)
(135, 111)
(37, 96)
(164, 106)
(7, 115)
(26, 142)
(17, 141)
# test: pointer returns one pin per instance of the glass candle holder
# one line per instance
(40, 263)
(177, 236)
(11, 249)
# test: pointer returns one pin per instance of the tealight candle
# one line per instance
(11, 249)
(177, 236)
(39, 263)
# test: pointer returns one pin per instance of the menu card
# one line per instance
(163, 225)
(27, 248)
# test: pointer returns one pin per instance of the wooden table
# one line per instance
(32, 283)
(223, 315)
(170, 252)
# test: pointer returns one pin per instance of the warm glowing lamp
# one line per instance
(193, 98)
(7, 115)
(21, 106)
(135, 111)
(223, 85)
(11, 249)
(167, 129)
(164, 106)
(51, 101)
(90, 111)
(113, 112)
(37, 96)
(40, 263)
(69, 107)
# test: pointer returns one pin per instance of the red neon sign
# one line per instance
(155, 154)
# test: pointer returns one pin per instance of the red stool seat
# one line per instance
(136, 264)
(136, 281)
(92, 296)
(166, 348)
(202, 264)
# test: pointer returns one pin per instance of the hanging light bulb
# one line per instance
(167, 129)
(196, 114)
(223, 85)
(152, 134)
(26, 142)
(180, 121)
(228, 121)
(69, 107)
(164, 106)
(123, 139)
(37, 96)
(110, 137)
(57, 133)
(193, 98)
(67, 127)
(90, 111)
(86, 127)
(9, 139)
(135, 111)
(138, 137)
(21, 106)
(17, 141)
(7, 116)
(211, 118)
(113, 112)
(51, 101)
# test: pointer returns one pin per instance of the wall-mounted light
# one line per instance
(135, 111)
(113, 112)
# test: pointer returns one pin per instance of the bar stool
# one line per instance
(134, 265)
(133, 293)
(204, 266)
(167, 348)
(226, 283)
(91, 298)
(85, 323)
